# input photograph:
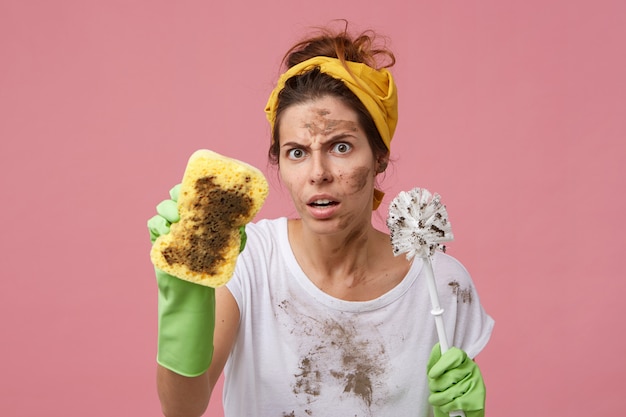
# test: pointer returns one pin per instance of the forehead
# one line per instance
(321, 110)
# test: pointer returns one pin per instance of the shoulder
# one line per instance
(451, 272)
(265, 231)
(264, 239)
(266, 226)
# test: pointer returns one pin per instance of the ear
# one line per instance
(382, 162)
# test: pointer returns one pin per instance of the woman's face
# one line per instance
(327, 164)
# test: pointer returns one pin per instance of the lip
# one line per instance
(318, 197)
(322, 212)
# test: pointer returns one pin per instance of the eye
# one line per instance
(342, 147)
(295, 153)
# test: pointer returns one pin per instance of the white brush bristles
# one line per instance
(418, 223)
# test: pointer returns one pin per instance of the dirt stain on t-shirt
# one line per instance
(463, 294)
(337, 354)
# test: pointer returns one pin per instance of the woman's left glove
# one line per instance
(455, 383)
(186, 310)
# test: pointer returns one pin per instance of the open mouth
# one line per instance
(323, 203)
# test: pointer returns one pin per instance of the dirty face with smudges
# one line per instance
(327, 164)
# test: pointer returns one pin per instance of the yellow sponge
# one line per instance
(217, 196)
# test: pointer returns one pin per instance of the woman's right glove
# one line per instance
(455, 383)
(186, 310)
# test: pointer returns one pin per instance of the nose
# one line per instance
(320, 171)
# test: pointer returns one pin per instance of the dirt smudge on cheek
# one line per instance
(357, 179)
(344, 221)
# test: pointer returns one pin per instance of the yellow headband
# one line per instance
(375, 88)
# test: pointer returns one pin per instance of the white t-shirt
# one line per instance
(302, 353)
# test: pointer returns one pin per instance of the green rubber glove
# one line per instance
(455, 383)
(186, 310)
(167, 214)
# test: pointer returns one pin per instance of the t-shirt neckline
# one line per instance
(337, 303)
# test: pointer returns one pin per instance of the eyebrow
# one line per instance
(331, 139)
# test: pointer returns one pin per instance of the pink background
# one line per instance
(514, 111)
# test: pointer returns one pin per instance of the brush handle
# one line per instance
(437, 312)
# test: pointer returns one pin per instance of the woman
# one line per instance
(320, 318)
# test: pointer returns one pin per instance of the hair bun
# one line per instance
(367, 48)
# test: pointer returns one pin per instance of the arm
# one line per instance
(197, 329)
(183, 396)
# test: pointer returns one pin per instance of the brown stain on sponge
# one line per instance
(215, 212)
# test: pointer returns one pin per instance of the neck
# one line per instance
(349, 266)
(334, 259)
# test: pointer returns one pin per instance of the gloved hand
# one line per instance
(455, 383)
(168, 213)
(186, 310)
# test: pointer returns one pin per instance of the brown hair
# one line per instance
(315, 84)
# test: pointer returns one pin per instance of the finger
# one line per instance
(451, 398)
(435, 354)
(448, 379)
(453, 358)
(158, 226)
(175, 192)
(244, 238)
(169, 210)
